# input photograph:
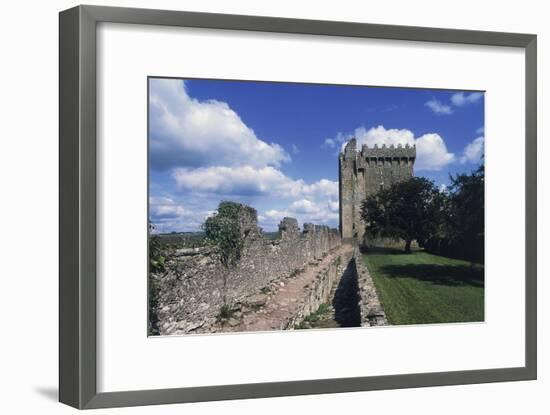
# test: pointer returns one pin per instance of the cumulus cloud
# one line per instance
(333, 205)
(460, 98)
(329, 143)
(438, 107)
(250, 181)
(165, 208)
(185, 131)
(168, 215)
(431, 151)
(211, 155)
(473, 151)
(305, 211)
(315, 202)
(303, 206)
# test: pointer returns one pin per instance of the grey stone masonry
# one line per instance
(372, 312)
(363, 173)
(194, 286)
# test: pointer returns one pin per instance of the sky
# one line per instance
(274, 146)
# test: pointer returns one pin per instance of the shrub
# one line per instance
(226, 311)
(227, 230)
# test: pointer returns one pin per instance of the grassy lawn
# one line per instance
(421, 288)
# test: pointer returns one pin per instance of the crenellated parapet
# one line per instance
(391, 152)
(288, 228)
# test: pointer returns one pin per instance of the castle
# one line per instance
(363, 173)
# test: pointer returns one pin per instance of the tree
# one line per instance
(462, 233)
(411, 210)
(467, 212)
(226, 230)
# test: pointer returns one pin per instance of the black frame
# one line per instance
(77, 205)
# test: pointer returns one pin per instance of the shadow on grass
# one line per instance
(346, 298)
(387, 250)
(451, 275)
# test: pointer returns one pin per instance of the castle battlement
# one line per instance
(363, 173)
(391, 152)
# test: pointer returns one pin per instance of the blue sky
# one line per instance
(274, 146)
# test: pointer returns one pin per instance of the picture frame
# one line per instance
(78, 220)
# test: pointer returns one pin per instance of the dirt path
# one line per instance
(283, 303)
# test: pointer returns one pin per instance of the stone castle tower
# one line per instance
(362, 173)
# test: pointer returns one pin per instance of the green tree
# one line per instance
(462, 232)
(467, 212)
(410, 210)
(225, 230)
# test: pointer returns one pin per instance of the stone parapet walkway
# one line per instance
(285, 302)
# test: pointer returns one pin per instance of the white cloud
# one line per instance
(305, 211)
(303, 206)
(473, 151)
(460, 98)
(164, 207)
(329, 143)
(323, 187)
(438, 107)
(315, 202)
(274, 214)
(168, 215)
(295, 149)
(431, 151)
(250, 181)
(185, 131)
(480, 130)
(333, 205)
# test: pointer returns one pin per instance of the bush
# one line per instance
(226, 312)
(227, 229)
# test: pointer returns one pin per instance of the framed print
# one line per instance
(257, 207)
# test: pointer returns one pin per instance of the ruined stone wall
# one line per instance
(195, 286)
(372, 312)
(363, 173)
(320, 291)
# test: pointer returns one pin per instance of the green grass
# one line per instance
(420, 288)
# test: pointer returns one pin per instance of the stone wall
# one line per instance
(195, 285)
(363, 173)
(320, 291)
(372, 312)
